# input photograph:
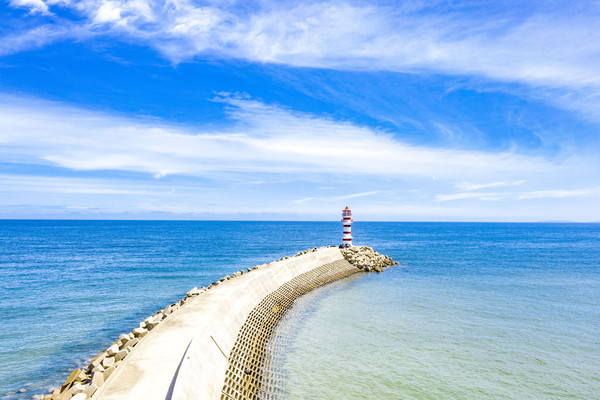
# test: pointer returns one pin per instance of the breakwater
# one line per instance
(197, 348)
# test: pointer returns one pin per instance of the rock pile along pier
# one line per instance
(210, 344)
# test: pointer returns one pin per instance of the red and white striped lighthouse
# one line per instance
(347, 222)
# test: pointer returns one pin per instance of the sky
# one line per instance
(277, 110)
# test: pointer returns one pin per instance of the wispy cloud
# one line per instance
(260, 138)
(557, 193)
(526, 195)
(302, 164)
(468, 186)
(540, 48)
(336, 199)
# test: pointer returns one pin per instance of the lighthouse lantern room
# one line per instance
(347, 222)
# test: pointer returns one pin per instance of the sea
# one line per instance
(474, 310)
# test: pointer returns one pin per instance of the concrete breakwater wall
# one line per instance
(209, 345)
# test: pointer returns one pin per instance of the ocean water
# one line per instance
(476, 311)
(482, 311)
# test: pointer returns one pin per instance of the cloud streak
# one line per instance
(540, 48)
(260, 138)
(268, 159)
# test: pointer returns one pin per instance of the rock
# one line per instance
(139, 332)
(366, 259)
(56, 391)
(96, 361)
(99, 368)
(22, 390)
(132, 343)
(64, 396)
(112, 350)
(76, 388)
(71, 379)
(80, 396)
(120, 355)
(124, 339)
(98, 378)
(37, 397)
(108, 362)
(193, 292)
(82, 376)
(152, 325)
(90, 390)
(108, 372)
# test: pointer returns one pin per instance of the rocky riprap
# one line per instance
(367, 259)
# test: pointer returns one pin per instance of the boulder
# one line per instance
(124, 339)
(121, 355)
(76, 388)
(139, 332)
(96, 361)
(80, 396)
(90, 390)
(108, 372)
(71, 379)
(99, 368)
(66, 395)
(112, 350)
(98, 378)
(108, 362)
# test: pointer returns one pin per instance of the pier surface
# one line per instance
(188, 355)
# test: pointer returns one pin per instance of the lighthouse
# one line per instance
(347, 222)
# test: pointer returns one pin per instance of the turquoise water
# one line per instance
(484, 311)
(476, 310)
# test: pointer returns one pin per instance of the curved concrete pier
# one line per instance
(188, 355)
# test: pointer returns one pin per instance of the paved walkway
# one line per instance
(202, 333)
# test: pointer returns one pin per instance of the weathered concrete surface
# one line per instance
(205, 330)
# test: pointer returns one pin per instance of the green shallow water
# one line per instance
(520, 321)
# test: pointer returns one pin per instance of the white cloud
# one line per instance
(468, 186)
(261, 138)
(34, 6)
(269, 160)
(336, 199)
(52, 184)
(557, 193)
(549, 48)
(526, 195)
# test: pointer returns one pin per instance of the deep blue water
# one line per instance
(524, 298)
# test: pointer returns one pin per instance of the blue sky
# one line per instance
(402, 110)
